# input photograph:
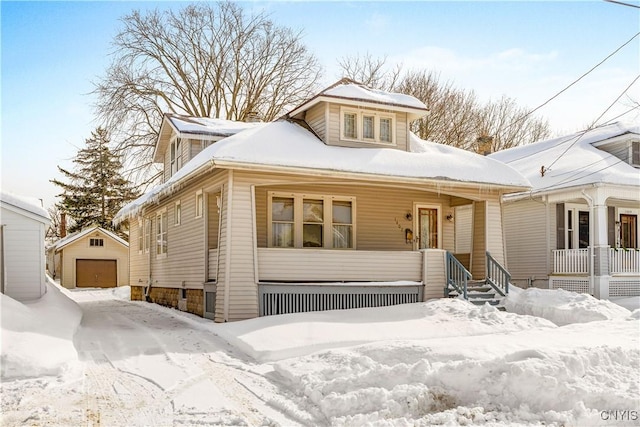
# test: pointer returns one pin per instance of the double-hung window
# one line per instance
(175, 155)
(147, 235)
(311, 221)
(140, 235)
(177, 213)
(161, 233)
(367, 126)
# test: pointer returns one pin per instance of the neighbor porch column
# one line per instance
(598, 242)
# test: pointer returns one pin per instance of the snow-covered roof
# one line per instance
(83, 233)
(26, 204)
(573, 160)
(349, 91)
(204, 128)
(283, 145)
(186, 125)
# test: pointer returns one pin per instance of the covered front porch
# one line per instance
(305, 246)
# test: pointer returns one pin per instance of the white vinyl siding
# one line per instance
(24, 257)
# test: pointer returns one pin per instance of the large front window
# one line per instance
(367, 126)
(305, 221)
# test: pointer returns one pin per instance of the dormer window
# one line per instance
(176, 155)
(367, 126)
(635, 153)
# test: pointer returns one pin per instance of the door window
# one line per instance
(628, 231)
(428, 226)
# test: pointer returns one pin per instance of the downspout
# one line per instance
(227, 260)
(592, 216)
(2, 270)
(256, 276)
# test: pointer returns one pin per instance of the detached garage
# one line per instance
(91, 258)
(23, 223)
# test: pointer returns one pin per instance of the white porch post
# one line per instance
(599, 244)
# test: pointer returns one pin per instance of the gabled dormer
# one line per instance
(181, 138)
(626, 146)
(349, 114)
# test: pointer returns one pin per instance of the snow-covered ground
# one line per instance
(555, 358)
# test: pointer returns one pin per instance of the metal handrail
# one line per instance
(497, 276)
(457, 276)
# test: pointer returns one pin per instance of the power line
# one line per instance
(595, 121)
(575, 81)
(623, 3)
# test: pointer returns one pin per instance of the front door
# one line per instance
(628, 231)
(428, 228)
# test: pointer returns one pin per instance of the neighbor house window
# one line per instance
(95, 242)
(199, 204)
(368, 126)
(161, 233)
(635, 153)
(177, 213)
(311, 221)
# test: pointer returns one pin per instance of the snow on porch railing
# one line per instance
(624, 260)
(571, 261)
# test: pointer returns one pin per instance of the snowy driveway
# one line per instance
(147, 366)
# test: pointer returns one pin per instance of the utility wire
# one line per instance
(595, 121)
(623, 3)
(575, 81)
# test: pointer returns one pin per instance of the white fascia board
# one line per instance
(357, 103)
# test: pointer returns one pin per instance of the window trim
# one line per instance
(298, 202)
(199, 202)
(634, 148)
(360, 114)
(140, 235)
(162, 222)
(96, 239)
(148, 230)
(177, 213)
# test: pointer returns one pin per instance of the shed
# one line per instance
(93, 258)
(23, 223)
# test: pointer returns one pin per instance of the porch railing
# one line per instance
(457, 276)
(571, 261)
(624, 260)
(497, 276)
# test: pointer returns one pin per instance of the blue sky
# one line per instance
(52, 51)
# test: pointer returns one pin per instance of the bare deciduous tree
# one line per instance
(456, 117)
(203, 60)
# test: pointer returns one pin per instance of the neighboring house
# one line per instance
(335, 205)
(93, 257)
(577, 229)
(23, 223)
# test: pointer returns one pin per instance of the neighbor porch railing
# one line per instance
(497, 276)
(571, 261)
(624, 260)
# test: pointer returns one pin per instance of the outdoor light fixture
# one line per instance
(408, 216)
(408, 235)
(450, 217)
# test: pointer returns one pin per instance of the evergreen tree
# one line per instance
(96, 189)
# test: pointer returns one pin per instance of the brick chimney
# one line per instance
(484, 144)
(63, 225)
(252, 117)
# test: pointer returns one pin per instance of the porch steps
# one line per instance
(480, 293)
